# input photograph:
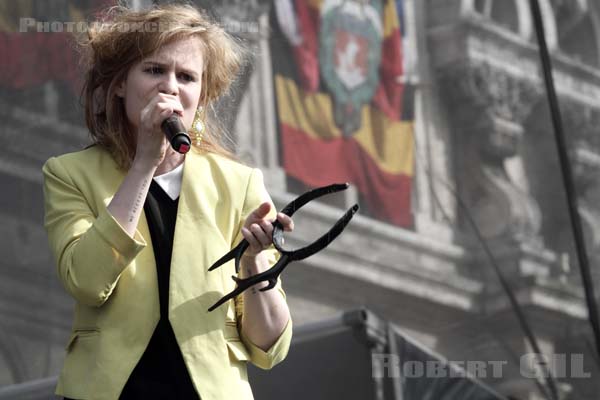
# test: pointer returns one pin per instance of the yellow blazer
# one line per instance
(113, 276)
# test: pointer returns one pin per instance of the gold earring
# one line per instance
(198, 126)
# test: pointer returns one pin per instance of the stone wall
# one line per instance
(483, 138)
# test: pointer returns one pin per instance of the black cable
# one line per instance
(513, 300)
(567, 174)
(552, 393)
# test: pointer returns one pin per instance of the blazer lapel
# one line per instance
(190, 281)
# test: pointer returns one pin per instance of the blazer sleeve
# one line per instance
(90, 250)
(256, 194)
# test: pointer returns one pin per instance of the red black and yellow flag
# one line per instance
(344, 112)
(36, 41)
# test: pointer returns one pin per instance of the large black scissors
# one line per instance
(287, 256)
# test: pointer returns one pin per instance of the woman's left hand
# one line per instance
(258, 231)
(265, 313)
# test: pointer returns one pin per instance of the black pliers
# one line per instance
(287, 256)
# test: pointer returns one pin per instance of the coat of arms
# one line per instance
(350, 54)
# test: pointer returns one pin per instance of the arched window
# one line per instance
(502, 12)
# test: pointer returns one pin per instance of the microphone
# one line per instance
(176, 134)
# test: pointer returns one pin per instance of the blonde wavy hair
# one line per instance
(120, 38)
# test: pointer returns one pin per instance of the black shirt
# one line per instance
(161, 372)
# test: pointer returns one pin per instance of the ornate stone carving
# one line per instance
(581, 124)
(488, 107)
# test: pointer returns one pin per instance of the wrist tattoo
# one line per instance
(139, 200)
(249, 274)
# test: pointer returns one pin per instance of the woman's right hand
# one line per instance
(152, 144)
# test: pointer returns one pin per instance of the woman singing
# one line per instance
(134, 225)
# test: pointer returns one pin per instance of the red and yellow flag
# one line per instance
(36, 41)
(344, 112)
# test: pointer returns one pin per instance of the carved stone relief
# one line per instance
(581, 122)
(488, 108)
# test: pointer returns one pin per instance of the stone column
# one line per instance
(255, 128)
(251, 103)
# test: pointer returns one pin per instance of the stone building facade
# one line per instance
(483, 138)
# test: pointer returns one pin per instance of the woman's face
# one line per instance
(175, 69)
